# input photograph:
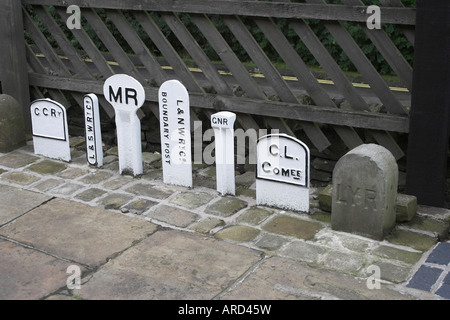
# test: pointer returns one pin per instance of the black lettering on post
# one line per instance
(131, 94)
(286, 153)
(115, 97)
(271, 152)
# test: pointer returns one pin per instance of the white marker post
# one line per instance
(174, 108)
(50, 130)
(94, 146)
(283, 173)
(223, 125)
(127, 95)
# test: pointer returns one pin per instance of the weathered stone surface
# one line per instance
(146, 190)
(226, 206)
(339, 241)
(284, 279)
(393, 272)
(67, 189)
(326, 198)
(246, 179)
(12, 128)
(254, 216)
(438, 228)
(31, 275)
(47, 167)
(17, 160)
(406, 207)
(412, 239)
(344, 262)
(140, 206)
(270, 242)
(174, 216)
(21, 178)
(72, 173)
(237, 233)
(251, 193)
(118, 182)
(206, 225)
(115, 200)
(96, 177)
(16, 202)
(192, 200)
(365, 183)
(293, 227)
(90, 194)
(171, 265)
(149, 158)
(303, 251)
(77, 232)
(391, 253)
(48, 184)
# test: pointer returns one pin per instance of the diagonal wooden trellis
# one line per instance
(269, 98)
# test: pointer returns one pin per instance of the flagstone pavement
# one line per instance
(137, 238)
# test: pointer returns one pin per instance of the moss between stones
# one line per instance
(412, 239)
(238, 233)
(226, 206)
(47, 167)
(294, 227)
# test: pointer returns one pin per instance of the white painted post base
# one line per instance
(223, 125)
(53, 149)
(127, 95)
(129, 143)
(282, 195)
(50, 130)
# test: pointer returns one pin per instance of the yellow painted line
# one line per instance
(254, 75)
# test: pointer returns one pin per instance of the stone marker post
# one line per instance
(12, 128)
(127, 95)
(223, 125)
(283, 173)
(50, 129)
(174, 108)
(94, 146)
(365, 183)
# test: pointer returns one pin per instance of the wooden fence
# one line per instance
(261, 95)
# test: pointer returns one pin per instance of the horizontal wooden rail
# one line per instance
(392, 15)
(326, 115)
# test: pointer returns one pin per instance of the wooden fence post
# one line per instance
(429, 117)
(13, 66)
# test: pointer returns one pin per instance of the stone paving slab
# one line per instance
(77, 232)
(16, 160)
(27, 274)
(170, 265)
(15, 202)
(283, 279)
